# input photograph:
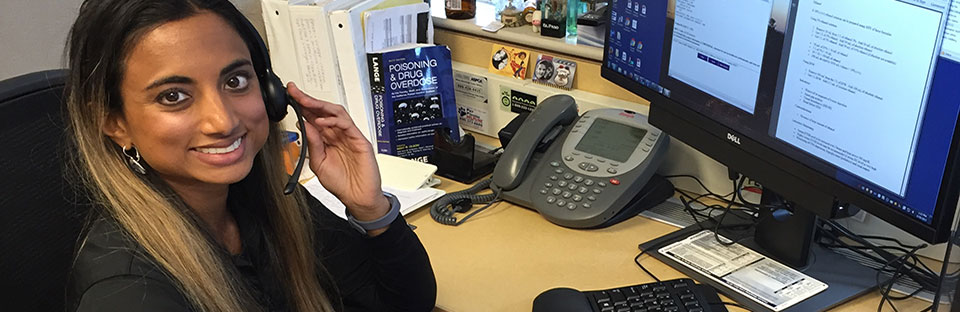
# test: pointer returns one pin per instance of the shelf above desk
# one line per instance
(522, 35)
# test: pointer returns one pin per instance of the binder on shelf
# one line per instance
(347, 28)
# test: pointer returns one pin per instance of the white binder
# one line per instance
(302, 47)
(346, 25)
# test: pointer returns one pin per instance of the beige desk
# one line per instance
(503, 257)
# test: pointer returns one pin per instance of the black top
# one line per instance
(389, 272)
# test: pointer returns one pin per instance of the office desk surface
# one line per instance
(503, 257)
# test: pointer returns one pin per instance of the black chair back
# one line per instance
(41, 213)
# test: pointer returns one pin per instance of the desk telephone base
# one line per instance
(587, 171)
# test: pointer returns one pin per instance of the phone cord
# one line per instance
(441, 212)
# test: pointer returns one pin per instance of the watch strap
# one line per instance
(384, 221)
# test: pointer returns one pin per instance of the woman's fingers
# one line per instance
(318, 107)
(339, 123)
(324, 116)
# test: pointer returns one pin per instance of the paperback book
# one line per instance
(413, 94)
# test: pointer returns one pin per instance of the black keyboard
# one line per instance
(678, 295)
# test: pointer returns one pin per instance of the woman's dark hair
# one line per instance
(105, 32)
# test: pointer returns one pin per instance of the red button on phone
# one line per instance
(614, 181)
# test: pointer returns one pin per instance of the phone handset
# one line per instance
(544, 123)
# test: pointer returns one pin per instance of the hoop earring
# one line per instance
(134, 160)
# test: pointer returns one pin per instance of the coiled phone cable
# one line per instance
(442, 210)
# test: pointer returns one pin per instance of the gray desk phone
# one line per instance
(589, 171)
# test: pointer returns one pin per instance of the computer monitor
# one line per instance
(826, 103)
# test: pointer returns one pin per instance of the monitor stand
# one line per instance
(789, 241)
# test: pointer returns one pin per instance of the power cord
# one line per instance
(702, 185)
(918, 271)
(885, 293)
(637, 261)
(905, 266)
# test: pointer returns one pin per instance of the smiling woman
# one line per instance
(173, 139)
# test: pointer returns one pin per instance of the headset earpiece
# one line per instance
(274, 96)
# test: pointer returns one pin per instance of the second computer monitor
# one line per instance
(825, 102)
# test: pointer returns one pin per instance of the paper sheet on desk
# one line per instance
(409, 200)
(765, 281)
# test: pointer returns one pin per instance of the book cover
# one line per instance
(413, 94)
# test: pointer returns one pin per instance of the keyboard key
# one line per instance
(617, 296)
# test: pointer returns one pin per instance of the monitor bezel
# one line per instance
(807, 187)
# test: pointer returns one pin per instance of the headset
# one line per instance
(275, 96)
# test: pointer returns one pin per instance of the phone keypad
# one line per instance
(588, 166)
(571, 191)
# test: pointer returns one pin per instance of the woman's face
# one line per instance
(542, 71)
(192, 103)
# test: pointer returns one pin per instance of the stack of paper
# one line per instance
(409, 200)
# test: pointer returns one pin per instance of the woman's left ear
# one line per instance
(115, 127)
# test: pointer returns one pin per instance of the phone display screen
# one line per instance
(611, 140)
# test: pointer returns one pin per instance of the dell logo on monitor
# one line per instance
(733, 138)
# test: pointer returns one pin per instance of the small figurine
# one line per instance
(527, 15)
(535, 20)
(563, 75)
(510, 16)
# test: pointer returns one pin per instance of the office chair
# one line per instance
(41, 213)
